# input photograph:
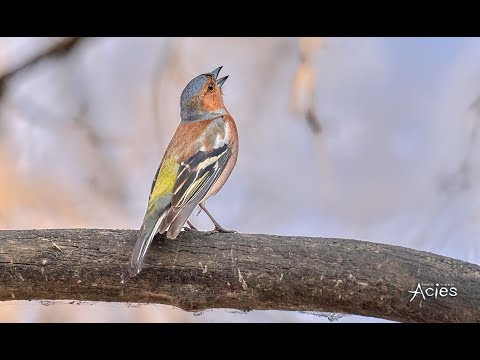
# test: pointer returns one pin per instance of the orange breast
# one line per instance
(184, 142)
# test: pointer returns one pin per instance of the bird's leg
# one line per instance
(190, 227)
(218, 227)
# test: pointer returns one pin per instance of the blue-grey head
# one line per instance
(202, 97)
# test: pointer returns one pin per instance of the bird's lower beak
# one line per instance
(216, 72)
(221, 81)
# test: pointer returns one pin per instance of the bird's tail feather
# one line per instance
(179, 221)
(146, 234)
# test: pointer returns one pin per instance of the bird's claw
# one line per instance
(223, 230)
(219, 229)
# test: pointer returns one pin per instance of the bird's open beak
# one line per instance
(216, 72)
(221, 81)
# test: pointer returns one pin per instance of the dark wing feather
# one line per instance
(196, 176)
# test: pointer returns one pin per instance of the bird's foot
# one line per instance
(190, 227)
(218, 229)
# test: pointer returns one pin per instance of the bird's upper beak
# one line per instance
(221, 81)
(216, 72)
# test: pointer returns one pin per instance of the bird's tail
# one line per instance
(147, 232)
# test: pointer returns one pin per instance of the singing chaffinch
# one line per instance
(196, 164)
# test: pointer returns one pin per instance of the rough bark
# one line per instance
(238, 271)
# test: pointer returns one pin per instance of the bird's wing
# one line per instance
(196, 175)
(158, 204)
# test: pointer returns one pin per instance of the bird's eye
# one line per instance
(211, 87)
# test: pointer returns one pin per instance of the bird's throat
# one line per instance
(204, 115)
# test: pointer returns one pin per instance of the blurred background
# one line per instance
(365, 138)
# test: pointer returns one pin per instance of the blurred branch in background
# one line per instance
(302, 101)
(60, 110)
(14, 189)
(302, 98)
(57, 49)
(237, 271)
(460, 181)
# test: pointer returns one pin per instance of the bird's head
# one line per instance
(202, 97)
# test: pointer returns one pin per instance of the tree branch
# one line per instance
(238, 271)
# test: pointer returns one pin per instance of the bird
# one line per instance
(196, 164)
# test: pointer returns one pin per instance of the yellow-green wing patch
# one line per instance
(165, 180)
